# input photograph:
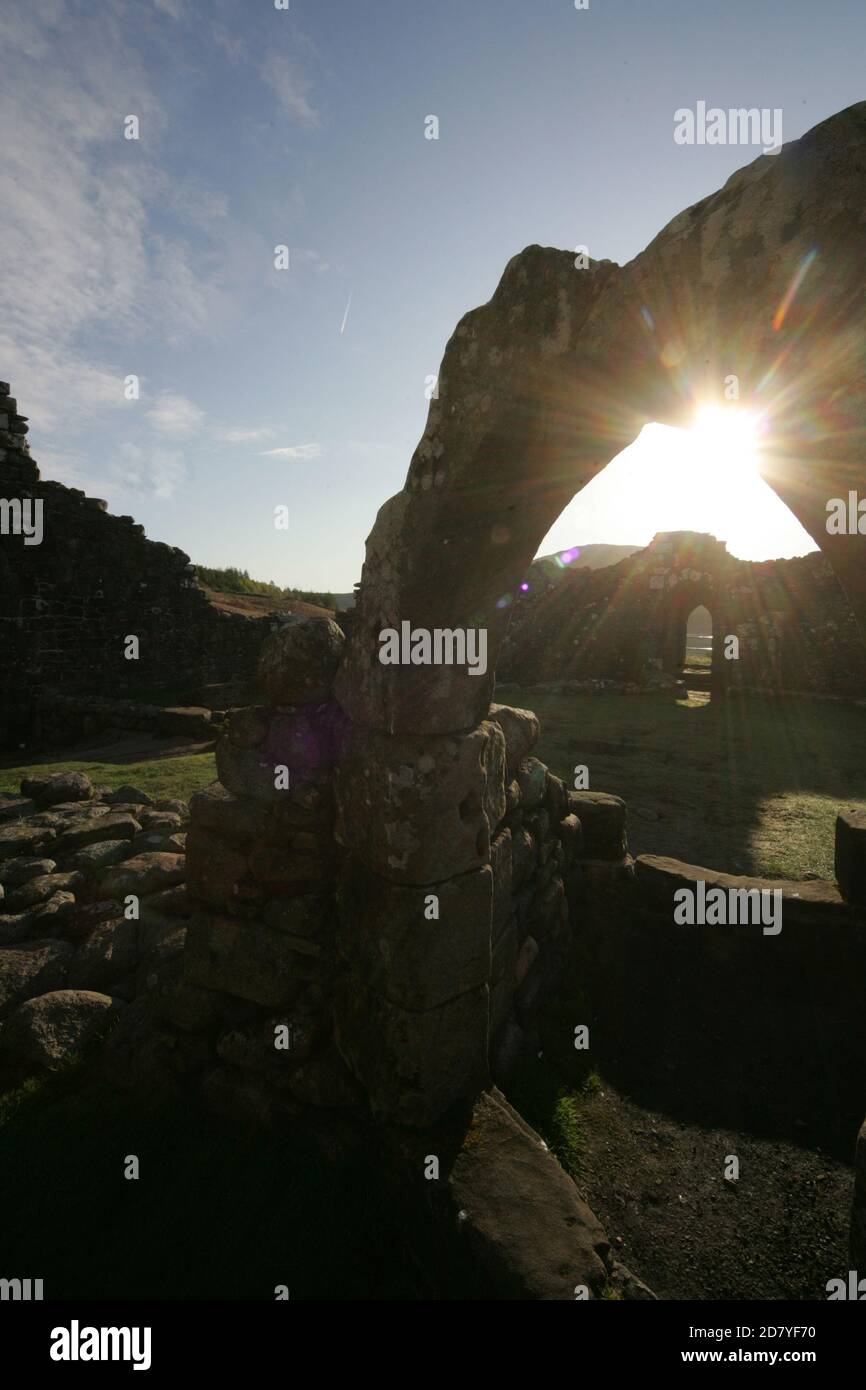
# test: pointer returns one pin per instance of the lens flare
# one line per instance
(727, 436)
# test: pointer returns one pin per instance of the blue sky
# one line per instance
(305, 127)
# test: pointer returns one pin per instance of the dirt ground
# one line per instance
(780, 1231)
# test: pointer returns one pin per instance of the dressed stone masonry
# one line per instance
(68, 603)
(378, 919)
(626, 623)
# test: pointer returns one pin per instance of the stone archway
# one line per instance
(538, 390)
(543, 385)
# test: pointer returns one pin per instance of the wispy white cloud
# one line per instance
(84, 266)
(156, 472)
(298, 452)
(291, 87)
(251, 436)
(171, 7)
(174, 414)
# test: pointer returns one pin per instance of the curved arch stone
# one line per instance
(543, 385)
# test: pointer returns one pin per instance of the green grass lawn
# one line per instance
(159, 777)
(751, 784)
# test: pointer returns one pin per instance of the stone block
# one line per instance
(524, 1221)
(851, 856)
(279, 869)
(247, 959)
(309, 737)
(532, 781)
(520, 729)
(413, 1065)
(421, 810)
(410, 960)
(299, 661)
(217, 871)
(251, 773)
(603, 822)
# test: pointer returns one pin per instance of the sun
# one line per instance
(727, 437)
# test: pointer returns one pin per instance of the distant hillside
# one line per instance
(259, 605)
(234, 581)
(592, 557)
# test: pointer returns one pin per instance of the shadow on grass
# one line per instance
(749, 784)
(215, 1214)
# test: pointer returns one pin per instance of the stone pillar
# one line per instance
(453, 917)
(261, 864)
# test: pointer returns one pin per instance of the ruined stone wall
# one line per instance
(795, 626)
(68, 603)
(394, 915)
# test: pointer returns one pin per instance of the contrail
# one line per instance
(346, 315)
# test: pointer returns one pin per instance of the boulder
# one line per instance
(520, 728)
(32, 968)
(39, 889)
(108, 953)
(52, 787)
(298, 662)
(19, 839)
(164, 821)
(143, 874)
(17, 871)
(44, 918)
(45, 1032)
(100, 855)
(129, 795)
(532, 781)
(91, 831)
(173, 902)
(519, 1214)
(14, 807)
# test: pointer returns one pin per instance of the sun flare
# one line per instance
(727, 436)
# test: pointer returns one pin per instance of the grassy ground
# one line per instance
(750, 784)
(159, 777)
